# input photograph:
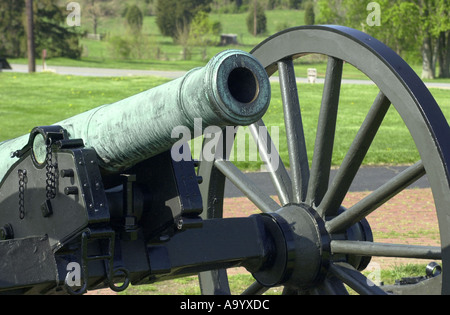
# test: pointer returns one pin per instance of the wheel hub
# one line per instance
(302, 255)
(302, 248)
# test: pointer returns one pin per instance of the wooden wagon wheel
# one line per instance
(308, 203)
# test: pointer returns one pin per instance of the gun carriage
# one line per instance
(102, 191)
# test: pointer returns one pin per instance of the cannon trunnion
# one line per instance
(98, 200)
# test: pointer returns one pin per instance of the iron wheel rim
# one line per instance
(397, 83)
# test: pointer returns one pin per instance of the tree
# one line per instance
(272, 4)
(309, 14)
(96, 10)
(175, 15)
(440, 33)
(331, 12)
(134, 18)
(238, 3)
(52, 33)
(256, 19)
(444, 54)
(295, 4)
(50, 30)
(202, 29)
(12, 30)
(418, 26)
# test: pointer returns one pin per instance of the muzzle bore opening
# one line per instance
(243, 85)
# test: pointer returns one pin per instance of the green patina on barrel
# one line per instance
(232, 89)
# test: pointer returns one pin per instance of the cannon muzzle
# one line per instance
(232, 89)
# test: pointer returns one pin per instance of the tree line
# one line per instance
(418, 28)
(174, 17)
(50, 32)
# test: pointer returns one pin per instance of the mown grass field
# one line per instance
(27, 101)
(240, 282)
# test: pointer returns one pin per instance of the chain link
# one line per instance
(50, 182)
(51, 173)
(22, 180)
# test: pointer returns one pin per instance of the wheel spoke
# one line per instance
(355, 156)
(333, 286)
(277, 170)
(241, 181)
(290, 291)
(323, 150)
(214, 282)
(354, 279)
(377, 198)
(255, 289)
(294, 130)
(385, 250)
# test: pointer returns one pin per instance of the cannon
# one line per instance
(99, 201)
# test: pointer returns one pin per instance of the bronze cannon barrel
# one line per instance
(232, 89)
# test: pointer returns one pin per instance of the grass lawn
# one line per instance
(27, 101)
(39, 99)
(240, 282)
(392, 145)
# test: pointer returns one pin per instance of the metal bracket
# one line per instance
(99, 234)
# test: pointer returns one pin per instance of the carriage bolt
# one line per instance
(72, 190)
(67, 173)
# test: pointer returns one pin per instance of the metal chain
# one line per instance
(51, 173)
(22, 179)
